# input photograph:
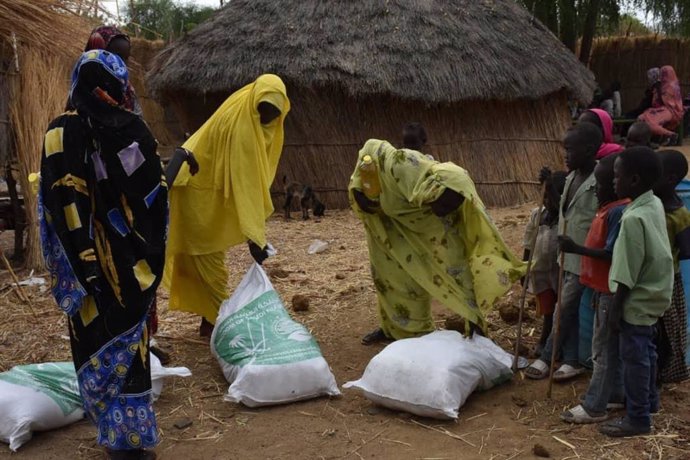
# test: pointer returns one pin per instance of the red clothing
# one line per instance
(594, 273)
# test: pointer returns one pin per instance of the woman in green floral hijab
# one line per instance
(429, 237)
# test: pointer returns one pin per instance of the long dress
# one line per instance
(460, 259)
(667, 108)
(103, 220)
(228, 202)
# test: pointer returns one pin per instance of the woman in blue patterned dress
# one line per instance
(103, 215)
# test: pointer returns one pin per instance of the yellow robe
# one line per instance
(228, 201)
(460, 260)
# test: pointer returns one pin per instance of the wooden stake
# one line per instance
(557, 317)
(523, 296)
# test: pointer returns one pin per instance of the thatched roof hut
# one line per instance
(489, 82)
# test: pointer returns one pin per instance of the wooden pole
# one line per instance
(557, 318)
(523, 296)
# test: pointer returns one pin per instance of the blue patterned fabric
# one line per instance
(124, 421)
(112, 63)
(67, 290)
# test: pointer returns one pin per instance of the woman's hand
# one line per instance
(258, 254)
(449, 201)
(364, 203)
(193, 164)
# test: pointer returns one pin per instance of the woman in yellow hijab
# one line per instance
(229, 200)
(429, 237)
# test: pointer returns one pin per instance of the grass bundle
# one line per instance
(43, 23)
(41, 96)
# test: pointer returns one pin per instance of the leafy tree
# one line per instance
(165, 19)
(571, 20)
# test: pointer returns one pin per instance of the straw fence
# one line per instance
(502, 144)
(161, 120)
(626, 59)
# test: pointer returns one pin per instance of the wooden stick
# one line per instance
(557, 317)
(23, 295)
(523, 296)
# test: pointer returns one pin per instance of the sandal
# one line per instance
(537, 370)
(579, 415)
(609, 406)
(375, 337)
(622, 428)
(567, 372)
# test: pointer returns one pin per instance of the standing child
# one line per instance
(543, 282)
(606, 386)
(642, 278)
(577, 208)
(673, 335)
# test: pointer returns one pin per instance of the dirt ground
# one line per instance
(503, 423)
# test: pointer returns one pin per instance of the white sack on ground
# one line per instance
(266, 356)
(37, 397)
(42, 397)
(433, 375)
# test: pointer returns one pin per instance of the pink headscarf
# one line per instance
(608, 147)
(670, 93)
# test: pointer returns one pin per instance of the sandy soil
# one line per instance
(503, 423)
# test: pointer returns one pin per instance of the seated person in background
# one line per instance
(611, 102)
(603, 121)
(646, 102)
(667, 110)
(639, 135)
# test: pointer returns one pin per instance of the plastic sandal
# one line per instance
(537, 370)
(567, 372)
(579, 415)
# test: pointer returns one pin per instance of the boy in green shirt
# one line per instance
(641, 276)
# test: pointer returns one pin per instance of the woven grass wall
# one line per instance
(502, 144)
(627, 59)
(161, 120)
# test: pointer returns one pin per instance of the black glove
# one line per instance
(258, 253)
(364, 203)
(544, 174)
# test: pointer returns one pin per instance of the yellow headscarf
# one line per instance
(229, 200)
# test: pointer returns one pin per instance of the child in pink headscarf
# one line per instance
(602, 119)
(667, 109)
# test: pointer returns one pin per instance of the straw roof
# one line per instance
(433, 51)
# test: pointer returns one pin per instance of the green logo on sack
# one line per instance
(58, 381)
(263, 333)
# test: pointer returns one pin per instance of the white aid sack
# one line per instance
(160, 373)
(266, 356)
(41, 397)
(433, 375)
(37, 397)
